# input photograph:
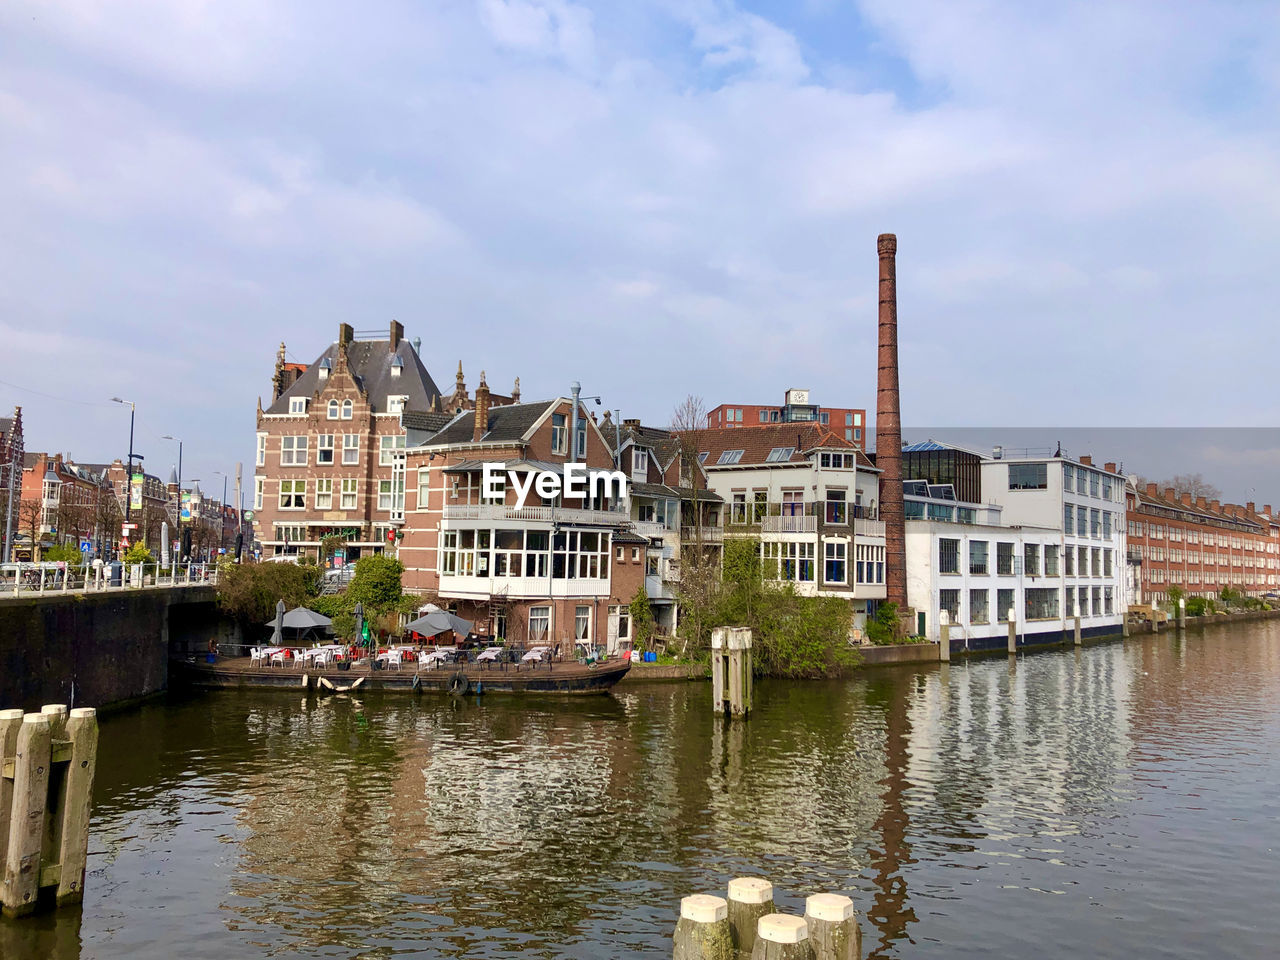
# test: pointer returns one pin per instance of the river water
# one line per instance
(1120, 800)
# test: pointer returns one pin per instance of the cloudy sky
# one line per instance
(652, 197)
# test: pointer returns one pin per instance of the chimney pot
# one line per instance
(481, 425)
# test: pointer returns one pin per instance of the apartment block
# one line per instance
(847, 422)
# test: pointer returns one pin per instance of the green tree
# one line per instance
(249, 591)
(641, 618)
(138, 553)
(377, 585)
(67, 552)
(886, 626)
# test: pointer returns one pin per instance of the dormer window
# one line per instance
(297, 404)
(325, 366)
(396, 404)
(639, 461)
(397, 366)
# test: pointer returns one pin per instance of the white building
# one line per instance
(1048, 541)
(812, 499)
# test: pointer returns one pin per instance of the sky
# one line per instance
(655, 198)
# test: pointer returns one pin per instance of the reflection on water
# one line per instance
(1120, 798)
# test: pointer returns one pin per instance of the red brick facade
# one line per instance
(1199, 546)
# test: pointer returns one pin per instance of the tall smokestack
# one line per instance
(889, 428)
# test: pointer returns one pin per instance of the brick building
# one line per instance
(556, 570)
(847, 422)
(1199, 545)
(63, 502)
(330, 444)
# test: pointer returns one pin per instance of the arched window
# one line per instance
(346, 409)
(333, 409)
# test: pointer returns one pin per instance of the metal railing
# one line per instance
(25, 579)
(499, 511)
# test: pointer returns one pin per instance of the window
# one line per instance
(332, 412)
(949, 559)
(324, 493)
(1106, 524)
(1097, 601)
(581, 445)
(837, 507)
(1095, 524)
(1004, 603)
(559, 433)
(978, 556)
(539, 623)
(635, 554)
(730, 457)
(1050, 560)
(639, 461)
(324, 448)
(624, 621)
(349, 490)
(346, 410)
(1093, 484)
(1069, 604)
(1041, 603)
(764, 416)
(1028, 476)
(581, 623)
(396, 404)
(1004, 559)
(1083, 567)
(1106, 564)
(779, 454)
(835, 552)
(702, 457)
(1082, 522)
(1068, 518)
(1068, 477)
(350, 448)
(825, 418)
(1031, 559)
(979, 609)
(258, 484)
(384, 494)
(262, 449)
(1097, 562)
(297, 404)
(387, 447)
(949, 600)
(293, 451)
(1108, 598)
(293, 494)
(619, 554)
(424, 487)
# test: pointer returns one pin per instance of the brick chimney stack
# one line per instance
(1109, 467)
(1250, 507)
(1170, 494)
(1087, 460)
(1186, 499)
(397, 334)
(481, 426)
(1202, 503)
(889, 427)
(1153, 490)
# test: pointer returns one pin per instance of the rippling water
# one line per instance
(1118, 800)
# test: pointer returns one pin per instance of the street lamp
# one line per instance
(128, 484)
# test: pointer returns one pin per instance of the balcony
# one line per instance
(517, 588)
(500, 511)
(651, 529)
(868, 528)
(708, 534)
(797, 523)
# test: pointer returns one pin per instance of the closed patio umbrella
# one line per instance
(277, 637)
(437, 622)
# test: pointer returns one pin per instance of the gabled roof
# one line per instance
(666, 490)
(507, 424)
(370, 363)
(427, 422)
(757, 443)
(1197, 514)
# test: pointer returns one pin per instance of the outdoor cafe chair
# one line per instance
(278, 657)
(256, 656)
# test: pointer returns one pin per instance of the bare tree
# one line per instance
(699, 560)
(1194, 484)
(29, 515)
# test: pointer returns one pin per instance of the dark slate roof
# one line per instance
(6, 425)
(370, 363)
(424, 421)
(506, 424)
(628, 536)
(759, 441)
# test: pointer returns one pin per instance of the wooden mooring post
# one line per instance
(709, 930)
(47, 763)
(731, 670)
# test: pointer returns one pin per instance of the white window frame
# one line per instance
(350, 494)
(292, 489)
(262, 450)
(351, 445)
(294, 446)
(297, 405)
(324, 493)
(322, 447)
(332, 412)
(259, 487)
(347, 410)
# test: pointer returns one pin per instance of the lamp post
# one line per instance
(128, 480)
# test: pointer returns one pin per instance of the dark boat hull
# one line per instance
(558, 679)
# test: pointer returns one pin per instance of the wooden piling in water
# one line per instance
(1077, 628)
(731, 684)
(750, 898)
(782, 937)
(1013, 633)
(702, 932)
(46, 786)
(833, 927)
(944, 642)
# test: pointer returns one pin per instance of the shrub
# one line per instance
(64, 552)
(249, 591)
(884, 628)
(138, 553)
